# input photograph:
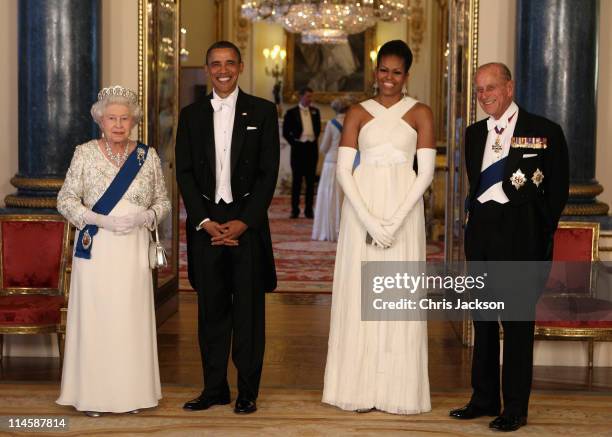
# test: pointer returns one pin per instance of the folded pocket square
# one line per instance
(529, 155)
(251, 127)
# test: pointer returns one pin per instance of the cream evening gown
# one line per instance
(378, 364)
(110, 360)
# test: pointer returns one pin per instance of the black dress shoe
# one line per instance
(508, 423)
(471, 411)
(203, 402)
(245, 406)
(294, 215)
(309, 214)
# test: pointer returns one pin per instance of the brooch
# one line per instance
(518, 179)
(86, 239)
(528, 143)
(537, 177)
(140, 156)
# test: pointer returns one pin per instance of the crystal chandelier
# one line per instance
(265, 10)
(325, 21)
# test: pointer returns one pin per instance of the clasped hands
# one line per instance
(225, 234)
(383, 231)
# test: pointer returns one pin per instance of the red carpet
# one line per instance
(302, 265)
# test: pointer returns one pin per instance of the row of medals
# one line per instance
(518, 178)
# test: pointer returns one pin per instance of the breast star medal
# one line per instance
(518, 179)
(537, 177)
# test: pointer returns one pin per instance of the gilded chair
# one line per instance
(569, 310)
(34, 251)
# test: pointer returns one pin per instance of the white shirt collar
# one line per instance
(230, 100)
(304, 108)
(503, 120)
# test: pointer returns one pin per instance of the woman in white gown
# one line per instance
(110, 360)
(380, 364)
(326, 223)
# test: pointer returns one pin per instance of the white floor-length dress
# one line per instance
(110, 359)
(378, 364)
(326, 223)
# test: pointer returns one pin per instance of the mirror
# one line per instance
(159, 92)
(463, 60)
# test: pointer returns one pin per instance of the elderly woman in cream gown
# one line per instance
(380, 364)
(110, 362)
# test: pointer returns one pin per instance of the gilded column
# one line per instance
(58, 81)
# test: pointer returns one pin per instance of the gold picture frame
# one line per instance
(293, 79)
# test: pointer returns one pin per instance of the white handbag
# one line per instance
(157, 253)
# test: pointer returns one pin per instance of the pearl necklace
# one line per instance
(118, 158)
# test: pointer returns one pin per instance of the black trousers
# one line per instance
(304, 157)
(231, 307)
(497, 232)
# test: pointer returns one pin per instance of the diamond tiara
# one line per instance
(118, 90)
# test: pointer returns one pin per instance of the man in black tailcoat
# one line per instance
(517, 167)
(301, 128)
(227, 158)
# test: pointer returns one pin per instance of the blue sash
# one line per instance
(113, 194)
(337, 124)
(491, 175)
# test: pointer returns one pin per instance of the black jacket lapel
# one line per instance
(239, 131)
(514, 155)
(207, 133)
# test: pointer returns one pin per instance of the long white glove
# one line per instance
(426, 159)
(120, 224)
(373, 224)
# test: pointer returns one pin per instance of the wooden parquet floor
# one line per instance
(299, 412)
(289, 404)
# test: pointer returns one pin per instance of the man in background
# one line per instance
(301, 129)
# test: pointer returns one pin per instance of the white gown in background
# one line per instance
(378, 364)
(326, 223)
(110, 359)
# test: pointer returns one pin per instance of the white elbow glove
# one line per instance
(426, 159)
(374, 225)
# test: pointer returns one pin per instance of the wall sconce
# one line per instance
(373, 55)
(184, 53)
(275, 62)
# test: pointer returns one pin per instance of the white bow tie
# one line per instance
(218, 104)
(499, 124)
